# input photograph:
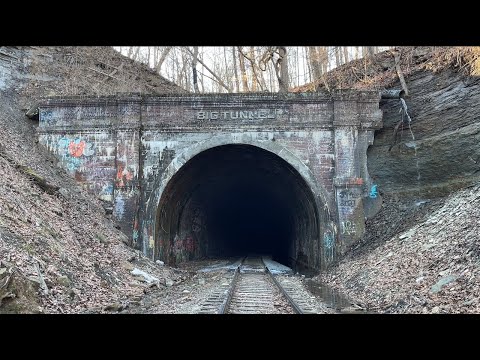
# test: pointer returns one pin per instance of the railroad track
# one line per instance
(253, 289)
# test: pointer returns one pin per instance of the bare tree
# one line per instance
(243, 70)
(163, 56)
(252, 68)
(234, 58)
(194, 69)
(345, 54)
(314, 61)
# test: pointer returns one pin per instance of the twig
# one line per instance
(106, 64)
(103, 73)
(10, 55)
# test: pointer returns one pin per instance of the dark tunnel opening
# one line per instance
(235, 200)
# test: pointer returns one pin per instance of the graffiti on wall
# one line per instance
(106, 193)
(347, 201)
(348, 228)
(124, 176)
(119, 207)
(184, 249)
(373, 192)
(72, 151)
(329, 244)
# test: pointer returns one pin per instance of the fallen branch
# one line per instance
(40, 181)
(9, 55)
(399, 72)
(37, 179)
(43, 285)
(8, 279)
(111, 66)
(104, 73)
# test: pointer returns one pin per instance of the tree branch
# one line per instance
(210, 71)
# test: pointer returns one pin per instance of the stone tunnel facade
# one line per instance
(188, 174)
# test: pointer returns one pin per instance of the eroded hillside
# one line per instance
(59, 250)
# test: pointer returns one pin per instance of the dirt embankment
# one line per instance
(428, 264)
(59, 250)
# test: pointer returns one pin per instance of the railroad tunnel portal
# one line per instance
(195, 175)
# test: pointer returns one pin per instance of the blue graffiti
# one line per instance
(72, 163)
(107, 189)
(329, 245)
(46, 116)
(328, 239)
(373, 192)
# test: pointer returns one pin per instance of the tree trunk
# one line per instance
(369, 50)
(194, 69)
(313, 58)
(345, 54)
(243, 70)
(323, 58)
(283, 70)
(237, 84)
(337, 56)
(165, 52)
(251, 59)
(135, 56)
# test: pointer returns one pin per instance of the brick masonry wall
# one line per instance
(124, 148)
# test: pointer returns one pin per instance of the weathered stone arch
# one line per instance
(152, 225)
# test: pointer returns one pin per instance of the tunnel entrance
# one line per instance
(234, 200)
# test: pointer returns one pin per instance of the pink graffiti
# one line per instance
(76, 148)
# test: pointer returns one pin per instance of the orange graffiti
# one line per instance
(121, 173)
(119, 176)
(76, 149)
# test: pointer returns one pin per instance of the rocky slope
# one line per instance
(59, 251)
(420, 252)
(443, 86)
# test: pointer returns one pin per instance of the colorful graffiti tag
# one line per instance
(71, 151)
(184, 249)
(123, 176)
(329, 244)
(348, 228)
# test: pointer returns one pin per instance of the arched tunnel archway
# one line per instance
(234, 200)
